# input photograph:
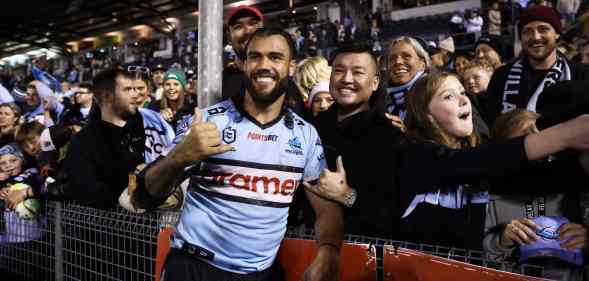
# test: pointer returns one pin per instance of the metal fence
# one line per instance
(72, 242)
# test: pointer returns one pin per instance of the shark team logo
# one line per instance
(229, 135)
(295, 146)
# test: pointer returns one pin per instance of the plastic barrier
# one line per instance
(163, 247)
(358, 262)
(409, 265)
(296, 255)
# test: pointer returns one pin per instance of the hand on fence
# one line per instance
(573, 235)
(201, 141)
(332, 185)
(521, 231)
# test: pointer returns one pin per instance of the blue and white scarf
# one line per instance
(158, 134)
(448, 198)
(560, 71)
(397, 94)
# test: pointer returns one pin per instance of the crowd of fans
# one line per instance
(469, 149)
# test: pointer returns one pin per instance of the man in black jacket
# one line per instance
(356, 129)
(113, 143)
(118, 137)
(520, 84)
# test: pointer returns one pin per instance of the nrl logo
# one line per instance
(229, 135)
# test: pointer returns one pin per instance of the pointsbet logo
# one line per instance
(261, 137)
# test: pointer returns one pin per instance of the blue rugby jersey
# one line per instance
(237, 202)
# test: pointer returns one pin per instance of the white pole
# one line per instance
(210, 52)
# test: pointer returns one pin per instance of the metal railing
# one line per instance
(71, 242)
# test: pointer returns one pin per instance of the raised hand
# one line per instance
(332, 185)
(201, 141)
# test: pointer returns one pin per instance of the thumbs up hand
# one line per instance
(332, 185)
(202, 140)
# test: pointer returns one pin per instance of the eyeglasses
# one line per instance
(137, 68)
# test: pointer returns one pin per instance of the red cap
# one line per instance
(243, 11)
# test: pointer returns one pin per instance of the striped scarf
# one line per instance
(560, 71)
(397, 95)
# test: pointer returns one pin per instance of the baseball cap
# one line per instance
(158, 66)
(549, 245)
(429, 46)
(492, 41)
(243, 11)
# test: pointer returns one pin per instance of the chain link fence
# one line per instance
(71, 242)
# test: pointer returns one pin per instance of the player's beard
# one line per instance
(269, 98)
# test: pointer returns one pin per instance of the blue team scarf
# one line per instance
(397, 94)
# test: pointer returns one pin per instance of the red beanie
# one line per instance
(540, 13)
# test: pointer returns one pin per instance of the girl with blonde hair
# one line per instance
(310, 72)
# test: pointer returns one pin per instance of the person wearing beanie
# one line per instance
(21, 230)
(174, 103)
(319, 98)
(444, 57)
(520, 84)
(490, 48)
